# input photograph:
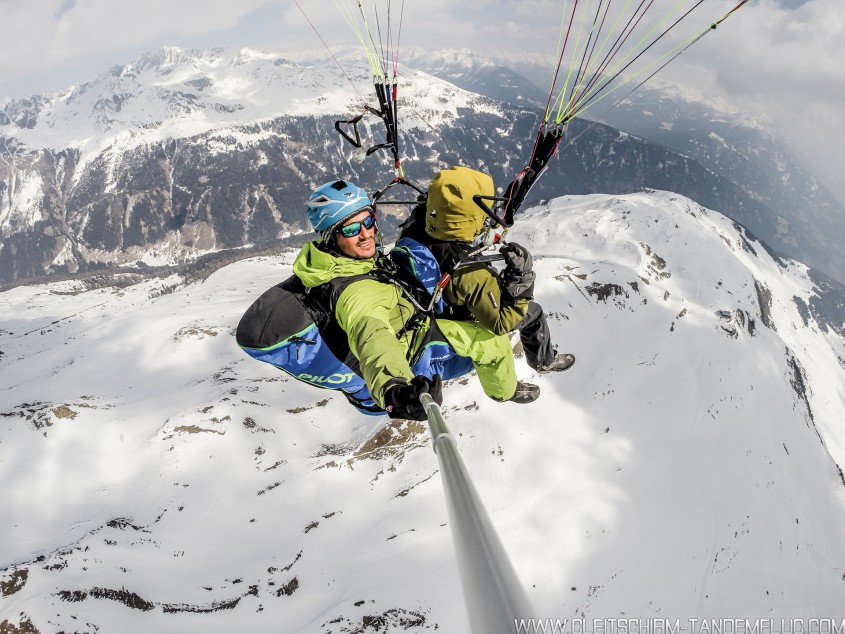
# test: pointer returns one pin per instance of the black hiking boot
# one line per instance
(561, 362)
(525, 393)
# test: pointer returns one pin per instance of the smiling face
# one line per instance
(361, 246)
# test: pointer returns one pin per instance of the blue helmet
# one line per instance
(332, 203)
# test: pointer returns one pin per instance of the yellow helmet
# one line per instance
(451, 213)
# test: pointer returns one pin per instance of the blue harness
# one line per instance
(293, 328)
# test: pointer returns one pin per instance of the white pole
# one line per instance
(494, 595)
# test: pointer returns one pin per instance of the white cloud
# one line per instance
(48, 36)
(787, 65)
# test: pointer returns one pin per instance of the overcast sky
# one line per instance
(781, 58)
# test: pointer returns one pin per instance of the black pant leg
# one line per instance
(536, 337)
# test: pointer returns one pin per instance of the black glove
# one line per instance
(517, 258)
(402, 400)
(518, 277)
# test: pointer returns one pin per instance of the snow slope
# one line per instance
(156, 479)
(176, 93)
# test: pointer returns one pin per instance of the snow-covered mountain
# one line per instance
(478, 74)
(689, 466)
(800, 216)
(184, 153)
(746, 149)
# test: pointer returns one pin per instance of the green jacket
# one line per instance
(452, 216)
(478, 288)
(447, 225)
(372, 312)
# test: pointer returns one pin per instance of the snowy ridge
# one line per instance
(189, 152)
(177, 93)
(157, 479)
(235, 98)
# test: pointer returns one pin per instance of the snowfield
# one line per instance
(156, 479)
(178, 93)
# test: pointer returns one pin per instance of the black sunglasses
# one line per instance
(354, 228)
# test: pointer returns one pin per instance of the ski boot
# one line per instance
(525, 393)
(561, 362)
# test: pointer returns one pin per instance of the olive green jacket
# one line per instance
(478, 288)
(372, 312)
(451, 215)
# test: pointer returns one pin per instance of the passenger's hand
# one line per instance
(518, 286)
(518, 276)
(517, 258)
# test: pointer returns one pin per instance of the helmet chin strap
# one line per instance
(330, 245)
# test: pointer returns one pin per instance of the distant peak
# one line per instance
(451, 56)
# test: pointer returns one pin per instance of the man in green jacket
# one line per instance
(374, 312)
(453, 224)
